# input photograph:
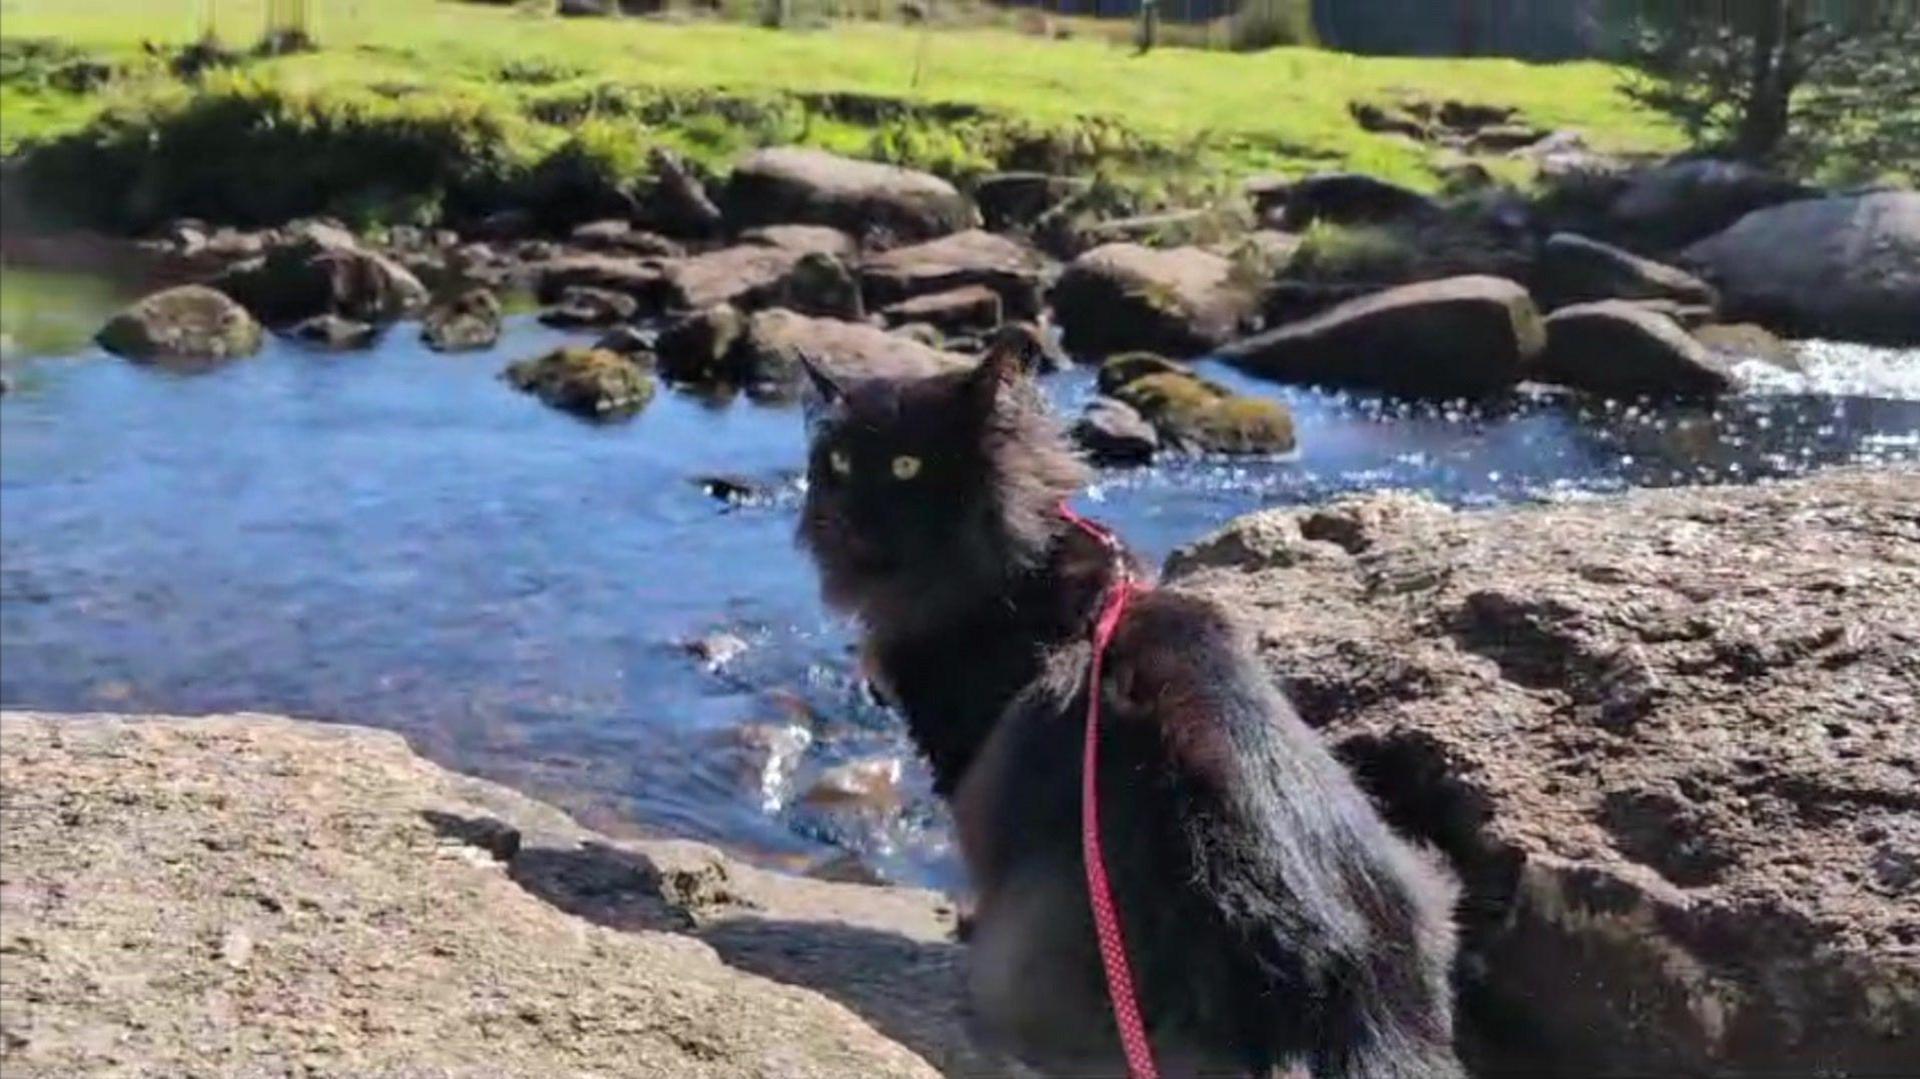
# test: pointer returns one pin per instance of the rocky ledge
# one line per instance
(262, 896)
(1671, 741)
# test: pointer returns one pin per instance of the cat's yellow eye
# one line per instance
(841, 462)
(906, 467)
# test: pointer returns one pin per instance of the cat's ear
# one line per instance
(824, 387)
(1003, 365)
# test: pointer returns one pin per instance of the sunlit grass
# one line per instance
(1276, 108)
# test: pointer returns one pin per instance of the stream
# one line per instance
(396, 538)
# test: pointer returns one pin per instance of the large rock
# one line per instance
(1678, 203)
(1844, 267)
(191, 323)
(965, 258)
(1351, 198)
(745, 275)
(974, 309)
(1573, 269)
(1460, 336)
(321, 270)
(1122, 297)
(1621, 350)
(881, 203)
(678, 203)
(769, 351)
(820, 284)
(172, 884)
(806, 239)
(1667, 739)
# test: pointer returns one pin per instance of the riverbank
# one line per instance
(417, 108)
(1667, 738)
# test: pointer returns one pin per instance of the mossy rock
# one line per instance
(1200, 415)
(589, 382)
(1128, 366)
(188, 324)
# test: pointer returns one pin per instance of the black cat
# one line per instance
(1273, 920)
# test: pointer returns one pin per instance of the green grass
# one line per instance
(961, 100)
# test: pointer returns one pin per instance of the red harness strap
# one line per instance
(1106, 914)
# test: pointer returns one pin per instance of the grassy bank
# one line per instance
(413, 102)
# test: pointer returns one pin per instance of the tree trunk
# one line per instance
(1771, 85)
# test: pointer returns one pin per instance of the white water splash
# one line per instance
(1840, 369)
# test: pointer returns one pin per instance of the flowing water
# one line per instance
(396, 538)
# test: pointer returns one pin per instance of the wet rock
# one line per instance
(768, 353)
(1622, 350)
(1676, 204)
(1573, 269)
(1113, 433)
(1643, 732)
(791, 185)
(1124, 297)
(581, 306)
(586, 382)
(1198, 415)
(717, 650)
(678, 203)
(1351, 198)
(1129, 366)
(1734, 341)
(697, 347)
(735, 490)
(764, 756)
(968, 310)
(974, 257)
(872, 785)
(821, 285)
(469, 321)
(618, 237)
(1460, 336)
(641, 278)
(1847, 268)
(335, 333)
(185, 324)
(806, 239)
(628, 341)
(1038, 353)
(1017, 200)
(321, 270)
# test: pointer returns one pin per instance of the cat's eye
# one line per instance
(906, 467)
(841, 462)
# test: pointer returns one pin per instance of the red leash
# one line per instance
(1106, 914)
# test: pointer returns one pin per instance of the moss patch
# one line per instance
(590, 382)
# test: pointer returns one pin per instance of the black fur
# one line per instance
(1272, 918)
